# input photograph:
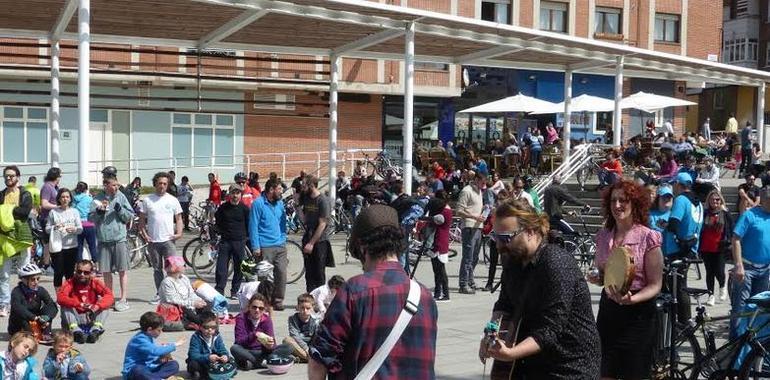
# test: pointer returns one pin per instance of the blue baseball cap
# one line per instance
(665, 190)
(684, 178)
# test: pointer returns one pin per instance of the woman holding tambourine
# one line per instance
(630, 266)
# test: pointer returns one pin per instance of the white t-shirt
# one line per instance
(160, 212)
(526, 196)
(323, 298)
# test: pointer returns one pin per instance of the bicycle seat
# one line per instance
(760, 299)
(693, 292)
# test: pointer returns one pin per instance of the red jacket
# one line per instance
(215, 193)
(73, 294)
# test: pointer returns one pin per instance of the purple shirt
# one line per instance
(48, 192)
(639, 240)
(245, 331)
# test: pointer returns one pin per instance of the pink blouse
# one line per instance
(640, 240)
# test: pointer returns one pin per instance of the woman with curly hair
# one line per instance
(626, 321)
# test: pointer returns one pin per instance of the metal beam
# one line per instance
(408, 128)
(587, 65)
(487, 54)
(231, 27)
(64, 19)
(617, 115)
(370, 40)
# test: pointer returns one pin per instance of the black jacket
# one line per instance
(233, 221)
(20, 212)
(25, 308)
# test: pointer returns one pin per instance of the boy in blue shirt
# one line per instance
(207, 348)
(146, 359)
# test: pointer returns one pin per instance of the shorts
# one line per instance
(114, 256)
(159, 252)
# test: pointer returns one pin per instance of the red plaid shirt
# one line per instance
(360, 318)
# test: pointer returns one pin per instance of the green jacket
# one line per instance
(111, 224)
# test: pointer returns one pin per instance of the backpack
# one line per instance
(403, 205)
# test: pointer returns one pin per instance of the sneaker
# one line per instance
(155, 300)
(444, 298)
(93, 337)
(467, 290)
(279, 306)
(723, 294)
(3, 311)
(79, 336)
(121, 306)
(711, 300)
(487, 288)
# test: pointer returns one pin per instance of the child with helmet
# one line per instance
(32, 308)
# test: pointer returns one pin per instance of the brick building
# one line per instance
(207, 110)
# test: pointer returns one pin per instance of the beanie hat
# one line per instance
(374, 216)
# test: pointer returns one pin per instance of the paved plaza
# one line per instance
(460, 322)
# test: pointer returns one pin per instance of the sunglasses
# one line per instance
(83, 272)
(506, 237)
(260, 308)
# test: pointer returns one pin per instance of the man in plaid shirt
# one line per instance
(366, 308)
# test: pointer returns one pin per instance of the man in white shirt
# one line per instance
(519, 193)
(160, 221)
(707, 129)
(668, 128)
(470, 207)
(708, 178)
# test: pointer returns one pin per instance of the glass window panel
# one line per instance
(203, 119)
(558, 21)
(202, 146)
(37, 113)
(612, 24)
(14, 112)
(181, 118)
(99, 116)
(670, 31)
(182, 145)
(13, 141)
(501, 13)
(660, 26)
(225, 120)
(37, 142)
(545, 19)
(223, 146)
(598, 22)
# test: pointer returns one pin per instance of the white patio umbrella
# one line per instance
(517, 103)
(651, 102)
(582, 103)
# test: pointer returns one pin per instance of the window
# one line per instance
(553, 16)
(24, 134)
(431, 66)
(666, 27)
(274, 102)
(608, 21)
(740, 50)
(203, 139)
(496, 11)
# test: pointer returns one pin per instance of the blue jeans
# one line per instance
(471, 247)
(607, 178)
(756, 280)
(88, 237)
(167, 369)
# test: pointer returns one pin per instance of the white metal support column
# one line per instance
(761, 118)
(617, 115)
(333, 118)
(408, 106)
(567, 130)
(55, 112)
(84, 86)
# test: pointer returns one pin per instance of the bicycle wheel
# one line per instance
(452, 252)
(689, 355)
(757, 363)
(137, 250)
(296, 265)
(203, 260)
(187, 250)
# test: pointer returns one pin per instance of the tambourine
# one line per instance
(619, 271)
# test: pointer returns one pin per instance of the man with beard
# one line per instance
(21, 199)
(267, 232)
(545, 304)
(318, 227)
(84, 302)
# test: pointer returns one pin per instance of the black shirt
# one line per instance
(554, 196)
(315, 209)
(556, 314)
(233, 221)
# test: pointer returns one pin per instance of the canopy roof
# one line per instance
(582, 103)
(652, 102)
(351, 28)
(516, 103)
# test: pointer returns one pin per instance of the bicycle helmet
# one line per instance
(240, 176)
(29, 270)
(249, 269)
(110, 171)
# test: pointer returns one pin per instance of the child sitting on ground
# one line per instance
(63, 362)
(146, 359)
(324, 294)
(19, 362)
(254, 335)
(302, 326)
(32, 308)
(207, 349)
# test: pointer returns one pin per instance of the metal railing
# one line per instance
(579, 157)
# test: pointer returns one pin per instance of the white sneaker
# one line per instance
(155, 300)
(711, 300)
(3, 311)
(723, 294)
(121, 306)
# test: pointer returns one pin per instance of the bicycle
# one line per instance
(293, 224)
(580, 245)
(343, 223)
(137, 246)
(381, 164)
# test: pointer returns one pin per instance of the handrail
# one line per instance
(577, 159)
